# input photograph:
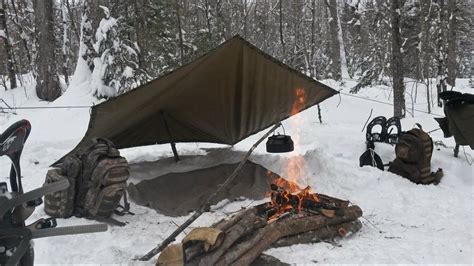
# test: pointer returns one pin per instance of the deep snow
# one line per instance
(402, 222)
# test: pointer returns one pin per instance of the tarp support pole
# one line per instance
(173, 145)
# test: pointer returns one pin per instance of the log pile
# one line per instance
(285, 221)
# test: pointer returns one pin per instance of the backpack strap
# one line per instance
(110, 221)
(125, 209)
(434, 178)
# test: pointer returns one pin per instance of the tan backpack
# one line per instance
(98, 175)
(413, 161)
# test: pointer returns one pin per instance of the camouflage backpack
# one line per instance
(413, 161)
(99, 175)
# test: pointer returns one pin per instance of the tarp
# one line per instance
(459, 121)
(224, 96)
(177, 194)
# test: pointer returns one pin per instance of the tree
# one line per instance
(116, 68)
(422, 49)
(47, 82)
(397, 62)
(452, 29)
(86, 49)
(338, 53)
(441, 77)
(334, 36)
(65, 43)
(5, 39)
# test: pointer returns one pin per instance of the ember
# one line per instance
(287, 198)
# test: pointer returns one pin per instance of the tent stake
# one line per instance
(207, 205)
(173, 145)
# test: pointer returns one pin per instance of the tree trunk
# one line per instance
(282, 40)
(334, 37)
(66, 43)
(342, 49)
(208, 22)
(451, 64)
(5, 38)
(441, 78)
(47, 82)
(422, 49)
(180, 33)
(397, 63)
(23, 34)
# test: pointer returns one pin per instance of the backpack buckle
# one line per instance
(45, 223)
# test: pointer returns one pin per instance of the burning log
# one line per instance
(293, 216)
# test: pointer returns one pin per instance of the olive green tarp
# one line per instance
(459, 122)
(224, 96)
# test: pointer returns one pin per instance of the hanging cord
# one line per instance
(47, 107)
(386, 103)
(468, 160)
(442, 144)
(374, 163)
(284, 132)
(340, 99)
(370, 115)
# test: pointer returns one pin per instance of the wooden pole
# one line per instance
(173, 144)
(207, 205)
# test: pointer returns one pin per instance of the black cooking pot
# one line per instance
(279, 144)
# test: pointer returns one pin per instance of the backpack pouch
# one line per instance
(407, 170)
(409, 149)
(103, 202)
(111, 171)
(59, 204)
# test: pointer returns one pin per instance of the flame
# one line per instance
(295, 167)
(299, 102)
(287, 196)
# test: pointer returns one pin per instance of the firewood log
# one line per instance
(340, 230)
(240, 226)
(244, 253)
(265, 259)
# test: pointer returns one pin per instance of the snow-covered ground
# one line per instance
(402, 222)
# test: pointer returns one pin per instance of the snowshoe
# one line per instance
(371, 158)
(372, 136)
(392, 124)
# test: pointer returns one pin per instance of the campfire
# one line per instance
(287, 198)
(292, 215)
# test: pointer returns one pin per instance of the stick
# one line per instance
(206, 206)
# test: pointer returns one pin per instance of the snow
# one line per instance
(402, 222)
